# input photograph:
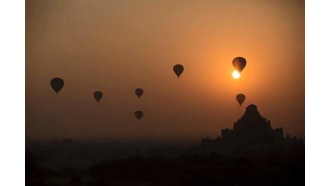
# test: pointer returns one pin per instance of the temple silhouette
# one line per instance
(252, 135)
(251, 153)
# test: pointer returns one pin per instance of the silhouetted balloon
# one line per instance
(240, 98)
(139, 92)
(239, 63)
(138, 114)
(97, 95)
(178, 69)
(57, 84)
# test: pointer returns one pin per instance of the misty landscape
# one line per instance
(254, 154)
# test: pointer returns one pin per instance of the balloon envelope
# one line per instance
(138, 114)
(57, 84)
(239, 63)
(240, 98)
(178, 69)
(139, 92)
(97, 95)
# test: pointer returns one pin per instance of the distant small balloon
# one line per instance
(178, 69)
(97, 95)
(139, 92)
(138, 114)
(240, 98)
(239, 63)
(57, 84)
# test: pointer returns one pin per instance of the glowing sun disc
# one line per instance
(236, 74)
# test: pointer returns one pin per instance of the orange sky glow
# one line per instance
(118, 46)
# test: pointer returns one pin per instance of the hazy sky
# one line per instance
(117, 46)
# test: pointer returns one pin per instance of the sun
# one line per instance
(236, 74)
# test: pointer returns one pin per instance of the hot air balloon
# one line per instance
(139, 92)
(239, 63)
(97, 95)
(178, 69)
(57, 84)
(240, 98)
(138, 114)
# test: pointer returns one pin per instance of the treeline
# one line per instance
(188, 169)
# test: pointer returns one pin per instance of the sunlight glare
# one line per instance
(236, 74)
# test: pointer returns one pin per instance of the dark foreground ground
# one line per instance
(101, 164)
